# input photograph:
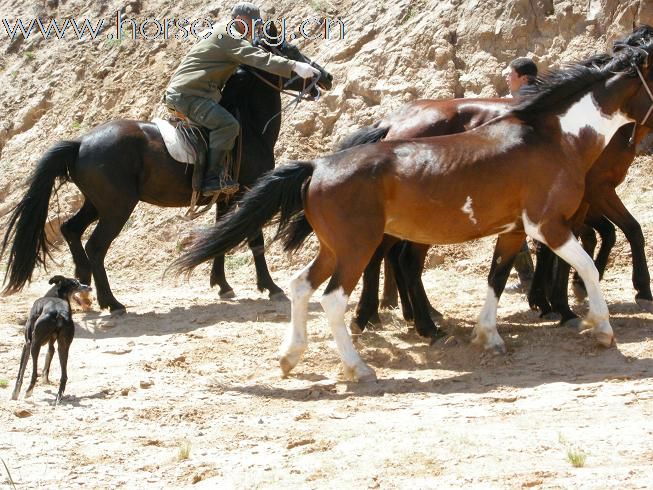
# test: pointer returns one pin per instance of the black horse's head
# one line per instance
(268, 38)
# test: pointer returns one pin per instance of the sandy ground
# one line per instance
(183, 369)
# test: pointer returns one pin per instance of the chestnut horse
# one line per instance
(433, 118)
(604, 208)
(425, 118)
(520, 174)
(120, 163)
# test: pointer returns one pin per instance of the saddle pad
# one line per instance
(177, 148)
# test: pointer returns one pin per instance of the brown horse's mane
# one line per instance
(558, 85)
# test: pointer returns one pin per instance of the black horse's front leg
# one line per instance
(616, 212)
(367, 310)
(411, 265)
(538, 296)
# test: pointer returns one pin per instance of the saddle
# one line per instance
(188, 143)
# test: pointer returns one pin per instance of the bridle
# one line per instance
(631, 141)
(303, 94)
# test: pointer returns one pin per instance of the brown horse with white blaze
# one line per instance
(520, 174)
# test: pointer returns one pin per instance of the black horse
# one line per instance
(120, 163)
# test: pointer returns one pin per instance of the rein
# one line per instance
(650, 109)
(298, 97)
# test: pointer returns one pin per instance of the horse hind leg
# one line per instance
(263, 279)
(302, 287)
(72, 231)
(334, 303)
(97, 246)
(35, 348)
(218, 276)
(367, 310)
(411, 261)
(485, 332)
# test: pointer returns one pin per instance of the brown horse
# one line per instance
(426, 118)
(604, 208)
(437, 117)
(520, 174)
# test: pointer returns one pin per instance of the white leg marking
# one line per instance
(572, 253)
(335, 305)
(598, 317)
(485, 332)
(295, 342)
(531, 229)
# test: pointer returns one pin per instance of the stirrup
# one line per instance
(228, 190)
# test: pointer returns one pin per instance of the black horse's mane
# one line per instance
(559, 85)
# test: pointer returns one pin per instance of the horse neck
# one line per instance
(589, 124)
(265, 103)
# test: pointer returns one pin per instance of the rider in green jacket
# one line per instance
(195, 88)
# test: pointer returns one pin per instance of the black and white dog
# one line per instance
(50, 320)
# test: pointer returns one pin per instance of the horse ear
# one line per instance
(56, 279)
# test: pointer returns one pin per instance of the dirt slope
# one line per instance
(183, 369)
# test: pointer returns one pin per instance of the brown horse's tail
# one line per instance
(278, 191)
(298, 230)
(26, 227)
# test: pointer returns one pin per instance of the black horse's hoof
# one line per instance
(429, 331)
(117, 310)
(355, 328)
(573, 322)
(279, 296)
(645, 304)
(435, 314)
(551, 315)
(228, 294)
(375, 320)
(437, 335)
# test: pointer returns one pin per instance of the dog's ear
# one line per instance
(57, 279)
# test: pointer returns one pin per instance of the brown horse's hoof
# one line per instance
(645, 304)
(354, 328)
(361, 373)
(605, 339)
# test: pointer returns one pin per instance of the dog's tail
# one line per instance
(299, 229)
(26, 228)
(278, 191)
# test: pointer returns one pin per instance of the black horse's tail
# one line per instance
(278, 191)
(26, 227)
(299, 229)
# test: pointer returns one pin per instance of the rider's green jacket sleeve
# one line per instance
(210, 62)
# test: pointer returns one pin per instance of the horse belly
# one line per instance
(440, 222)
